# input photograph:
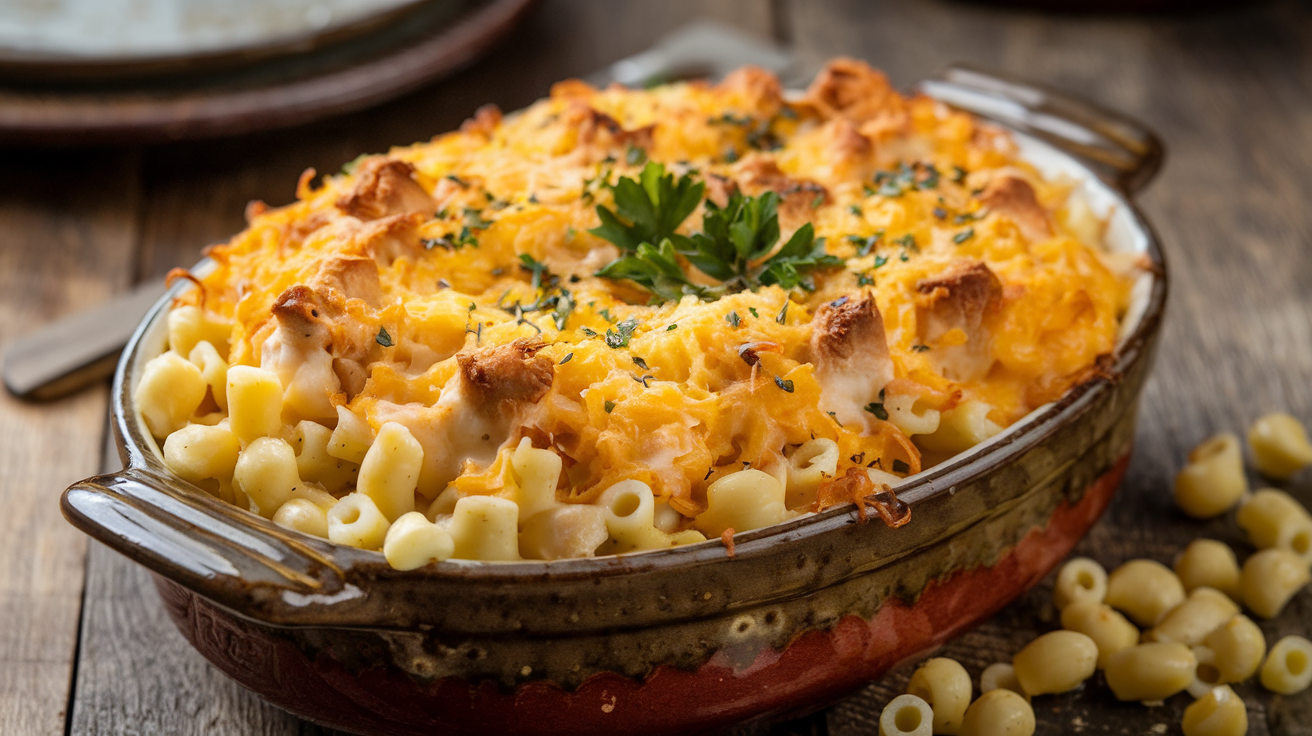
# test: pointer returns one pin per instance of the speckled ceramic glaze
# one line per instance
(675, 641)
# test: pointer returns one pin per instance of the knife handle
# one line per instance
(78, 350)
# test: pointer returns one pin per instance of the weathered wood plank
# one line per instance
(1229, 93)
(69, 222)
(137, 675)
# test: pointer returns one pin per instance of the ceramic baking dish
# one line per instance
(676, 641)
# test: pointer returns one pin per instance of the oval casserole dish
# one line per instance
(683, 640)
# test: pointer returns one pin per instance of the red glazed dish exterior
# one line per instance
(676, 641)
(814, 668)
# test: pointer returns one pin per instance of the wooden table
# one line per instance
(84, 645)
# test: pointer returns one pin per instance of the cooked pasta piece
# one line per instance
(999, 713)
(568, 530)
(1218, 713)
(1213, 481)
(1108, 629)
(1237, 647)
(170, 392)
(315, 495)
(1190, 622)
(906, 715)
(390, 470)
(960, 428)
(810, 465)
(1151, 672)
(485, 528)
(1270, 578)
(536, 474)
(214, 369)
(413, 541)
(1144, 590)
(1280, 445)
(944, 684)
(189, 325)
(1080, 579)
(1210, 563)
(314, 464)
(1288, 667)
(910, 414)
(266, 473)
(355, 521)
(304, 516)
(199, 453)
(1000, 676)
(747, 499)
(254, 403)
(1273, 518)
(628, 509)
(1055, 662)
(352, 438)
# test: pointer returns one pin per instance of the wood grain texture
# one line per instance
(69, 225)
(1231, 94)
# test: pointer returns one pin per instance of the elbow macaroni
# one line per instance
(1280, 445)
(999, 713)
(1144, 590)
(944, 684)
(413, 541)
(906, 715)
(628, 509)
(1270, 578)
(1080, 579)
(1056, 662)
(748, 499)
(266, 473)
(1110, 631)
(1288, 668)
(1210, 563)
(1218, 713)
(1151, 672)
(1000, 676)
(810, 465)
(356, 522)
(390, 471)
(1213, 481)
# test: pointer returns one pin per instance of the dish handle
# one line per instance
(1124, 151)
(266, 573)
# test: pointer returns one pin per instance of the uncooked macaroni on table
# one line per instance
(624, 320)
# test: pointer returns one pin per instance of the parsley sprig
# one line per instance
(734, 246)
(648, 209)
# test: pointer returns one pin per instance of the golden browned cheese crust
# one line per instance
(461, 274)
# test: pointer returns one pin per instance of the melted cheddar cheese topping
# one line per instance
(402, 291)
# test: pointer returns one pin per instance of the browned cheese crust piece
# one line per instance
(500, 377)
(353, 277)
(301, 314)
(850, 351)
(1014, 197)
(959, 298)
(386, 187)
(798, 198)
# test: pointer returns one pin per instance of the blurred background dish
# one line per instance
(77, 38)
(227, 76)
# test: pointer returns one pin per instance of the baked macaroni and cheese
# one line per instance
(626, 319)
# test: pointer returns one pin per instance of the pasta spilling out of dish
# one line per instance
(624, 320)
